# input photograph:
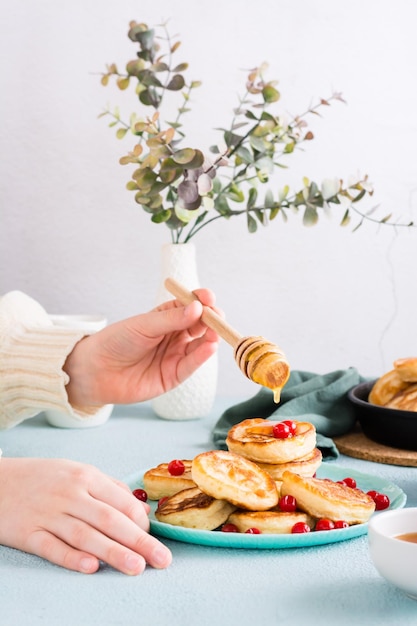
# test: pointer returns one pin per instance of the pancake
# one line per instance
(191, 508)
(386, 387)
(253, 438)
(324, 498)
(269, 522)
(405, 400)
(306, 466)
(228, 476)
(407, 369)
(159, 483)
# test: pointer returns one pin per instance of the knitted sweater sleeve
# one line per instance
(32, 354)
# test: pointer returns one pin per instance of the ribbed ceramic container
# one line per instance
(194, 398)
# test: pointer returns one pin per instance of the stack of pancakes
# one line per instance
(397, 389)
(243, 485)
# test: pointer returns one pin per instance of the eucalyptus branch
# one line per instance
(181, 187)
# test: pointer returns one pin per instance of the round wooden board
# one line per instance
(357, 445)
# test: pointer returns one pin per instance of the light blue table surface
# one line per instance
(333, 584)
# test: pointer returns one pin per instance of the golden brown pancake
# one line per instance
(269, 522)
(306, 466)
(228, 476)
(192, 508)
(386, 387)
(253, 438)
(407, 369)
(159, 483)
(320, 497)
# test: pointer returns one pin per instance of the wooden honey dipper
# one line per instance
(260, 361)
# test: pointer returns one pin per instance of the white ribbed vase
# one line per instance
(194, 398)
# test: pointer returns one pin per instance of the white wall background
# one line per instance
(72, 236)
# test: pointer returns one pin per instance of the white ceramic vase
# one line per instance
(194, 398)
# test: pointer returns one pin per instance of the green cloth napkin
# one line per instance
(317, 398)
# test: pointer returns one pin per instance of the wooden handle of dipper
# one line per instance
(209, 317)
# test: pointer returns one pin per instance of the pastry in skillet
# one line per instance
(324, 498)
(158, 482)
(407, 369)
(269, 522)
(306, 466)
(386, 387)
(192, 508)
(228, 476)
(405, 400)
(254, 439)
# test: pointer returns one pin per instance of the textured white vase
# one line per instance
(195, 396)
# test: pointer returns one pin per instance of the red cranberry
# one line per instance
(287, 504)
(229, 528)
(140, 494)
(350, 482)
(300, 527)
(381, 500)
(281, 431)
(176, 467)
(291, 425)
(324, 524)
(253, 531)
(340, 523)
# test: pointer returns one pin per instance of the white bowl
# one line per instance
(65, 420)
(88, 324)
(395, 559)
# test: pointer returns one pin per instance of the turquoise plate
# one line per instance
(218, 539)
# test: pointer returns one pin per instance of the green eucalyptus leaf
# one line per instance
(244, 154)
(289, 147)
(189, 158)
(235, 194)
(385, 219)
(123, 83)
(270, 94)
(251, 223)
(258, 144)
(267, 117)
(121, 132)
(181, 67)
(146, 98)
(144, 177)
(269, 199)
(141, 199)
(260, 215)
(160, 67)
(135, 30)
(346, 218)
(156, 202)
(135, 67)
(221, 205)
(310, 217)
(359, 196)
(274, 212)
(231, 139)
(161, 216)
(184, 156)
(176, 83)
(145, 38)
(252, 197)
